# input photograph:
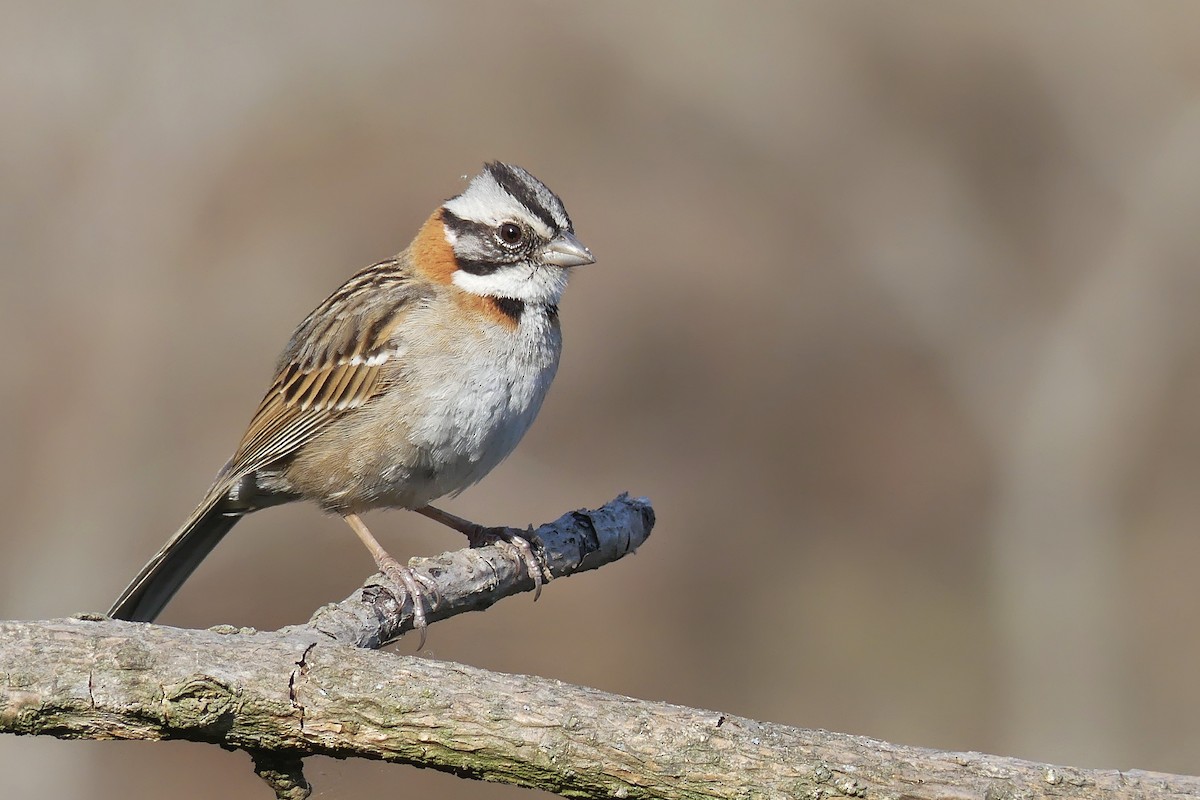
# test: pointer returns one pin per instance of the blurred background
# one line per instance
(894, 319)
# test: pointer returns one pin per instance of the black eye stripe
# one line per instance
(481, 261)
(464, 227)
(478, 266)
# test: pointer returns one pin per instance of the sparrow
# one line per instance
(409, 383)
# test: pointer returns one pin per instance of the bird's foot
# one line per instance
(399, 573)
(480, 536)
(413, 584)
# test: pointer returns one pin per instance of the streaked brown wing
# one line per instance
(333, 364)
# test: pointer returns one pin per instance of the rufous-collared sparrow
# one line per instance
(409, 383)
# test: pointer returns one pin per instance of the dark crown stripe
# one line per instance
(512, 183)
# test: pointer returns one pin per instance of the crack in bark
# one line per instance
(300, 669)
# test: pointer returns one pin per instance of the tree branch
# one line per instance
(475, 578)
(306, 690)
(292, 696)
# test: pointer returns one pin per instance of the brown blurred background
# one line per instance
(894, 318)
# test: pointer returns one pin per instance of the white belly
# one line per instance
(468, 414)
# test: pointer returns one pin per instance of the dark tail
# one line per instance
(158, 581)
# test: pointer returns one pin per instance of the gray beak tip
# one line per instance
(565, 250)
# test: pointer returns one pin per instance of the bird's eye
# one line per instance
(510, 233)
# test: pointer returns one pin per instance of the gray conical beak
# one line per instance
(565, 250)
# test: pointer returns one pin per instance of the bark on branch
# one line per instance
(475, 578)
(308, 690)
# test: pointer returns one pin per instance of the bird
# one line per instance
(409, 383)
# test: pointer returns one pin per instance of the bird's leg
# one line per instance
(396, 571)
(476, 534)
(479, 536)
